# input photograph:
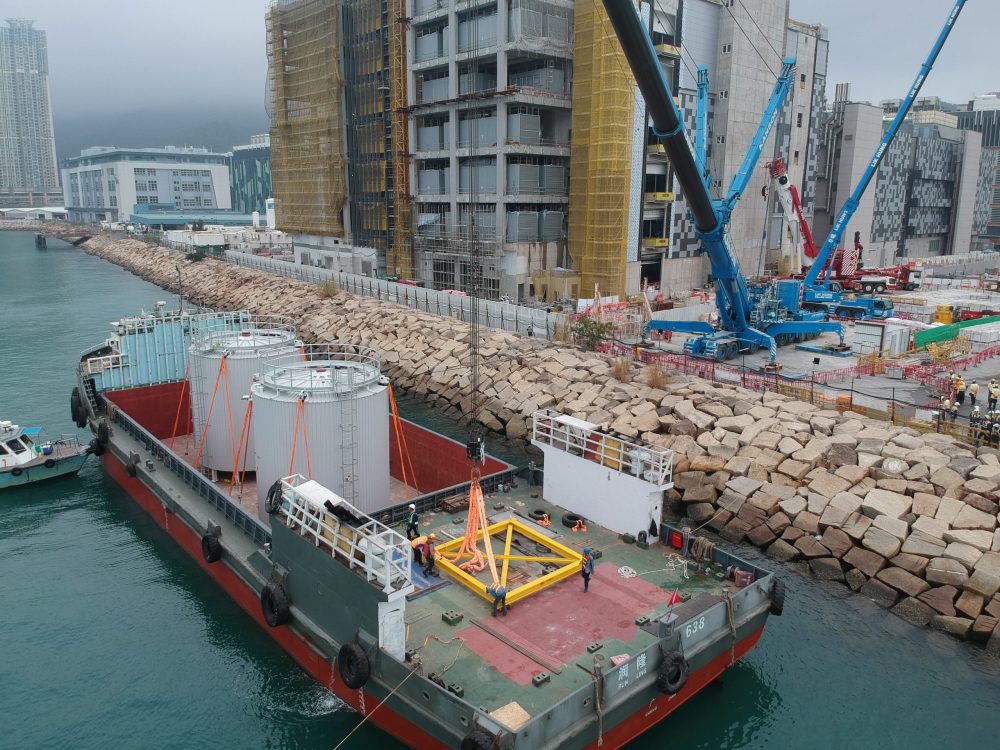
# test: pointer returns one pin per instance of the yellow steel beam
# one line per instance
(567, 559)
(506, 556)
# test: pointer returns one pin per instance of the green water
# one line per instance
(112, 638)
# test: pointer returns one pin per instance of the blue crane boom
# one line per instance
(701, 122)
(742, 177)
(851, 204)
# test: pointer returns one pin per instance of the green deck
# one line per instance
(600, 616)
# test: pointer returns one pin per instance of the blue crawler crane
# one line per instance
(816, 293)
(779, 312)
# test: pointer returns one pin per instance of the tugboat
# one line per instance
(26, 458)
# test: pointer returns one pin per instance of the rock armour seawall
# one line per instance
(909, 520)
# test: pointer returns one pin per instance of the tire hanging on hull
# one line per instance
(274, 605)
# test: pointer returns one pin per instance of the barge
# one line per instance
(286, 473)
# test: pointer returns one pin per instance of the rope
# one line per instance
(244, 433)
(305, 440)
(732, 628)
(208, 417)
(246, 451)
(180, 404)
(229, 410)
(399, 443)
(381, 703)
(295, 437)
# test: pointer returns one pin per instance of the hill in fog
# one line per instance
(217, 129)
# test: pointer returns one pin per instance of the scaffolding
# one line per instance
(307, 118)
(601, 152)
(400, 260)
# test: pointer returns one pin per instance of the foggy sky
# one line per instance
(121, 55)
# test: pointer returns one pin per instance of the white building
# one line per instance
(105, 183)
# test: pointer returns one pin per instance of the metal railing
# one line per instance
(503, 316)
(582, 439)
(200, 484)
(323, 367)
(359, 541)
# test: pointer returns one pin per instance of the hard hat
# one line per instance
(586, 550)
(432, 535)
(412, 506)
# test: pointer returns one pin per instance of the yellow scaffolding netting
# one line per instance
(601, 151)
(400, 260)
(307, 149)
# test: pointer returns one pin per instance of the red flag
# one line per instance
(675, 598)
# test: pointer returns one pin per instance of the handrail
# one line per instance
(239, 517)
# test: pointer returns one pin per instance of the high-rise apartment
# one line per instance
(982, 114)
(250, 175)
(28, 172)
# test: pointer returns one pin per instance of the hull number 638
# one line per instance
(694, 626)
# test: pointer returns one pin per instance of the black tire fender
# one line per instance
(103, 433)
(272, 503)
(211, 548)
(75, 405)
(131, 469)
(672, 674)
(537, 514)
(353, 665)
(274, 604)
(477, 739)
(16, 472)
(570, 520)
(50, 463)
(96, 448)
(777, 597)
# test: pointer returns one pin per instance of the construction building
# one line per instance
(250, 175)
(490, 133)
(438, 132)
(932, 191)
(29, 175)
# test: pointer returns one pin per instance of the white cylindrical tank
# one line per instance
(269, 212)
(243, 345)
(339, 434)
(255, 219)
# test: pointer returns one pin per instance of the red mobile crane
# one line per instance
(846, 267)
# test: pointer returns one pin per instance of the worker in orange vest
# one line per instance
(960, 391)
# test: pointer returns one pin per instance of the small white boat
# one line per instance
(25, 457)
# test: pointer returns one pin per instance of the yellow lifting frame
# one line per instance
(567, 559)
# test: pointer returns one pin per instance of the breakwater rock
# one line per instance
(909, 520)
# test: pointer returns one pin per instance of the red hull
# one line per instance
(322, 671)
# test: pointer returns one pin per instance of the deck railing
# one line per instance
(583, 439)
(382, 555)
(200, 484)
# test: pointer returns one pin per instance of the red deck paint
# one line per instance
(438, 461)
(560, 622)
(155, 407)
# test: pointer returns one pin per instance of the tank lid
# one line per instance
(329, 368)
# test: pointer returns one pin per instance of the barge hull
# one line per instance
(310, 660)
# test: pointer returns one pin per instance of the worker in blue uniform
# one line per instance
(586, 568)
(499, 595)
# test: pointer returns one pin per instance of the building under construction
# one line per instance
(442, 138)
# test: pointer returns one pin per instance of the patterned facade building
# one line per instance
(250, 175)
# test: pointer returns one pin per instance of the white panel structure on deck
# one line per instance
(340, 436)
(613, 482)
(244, 351)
